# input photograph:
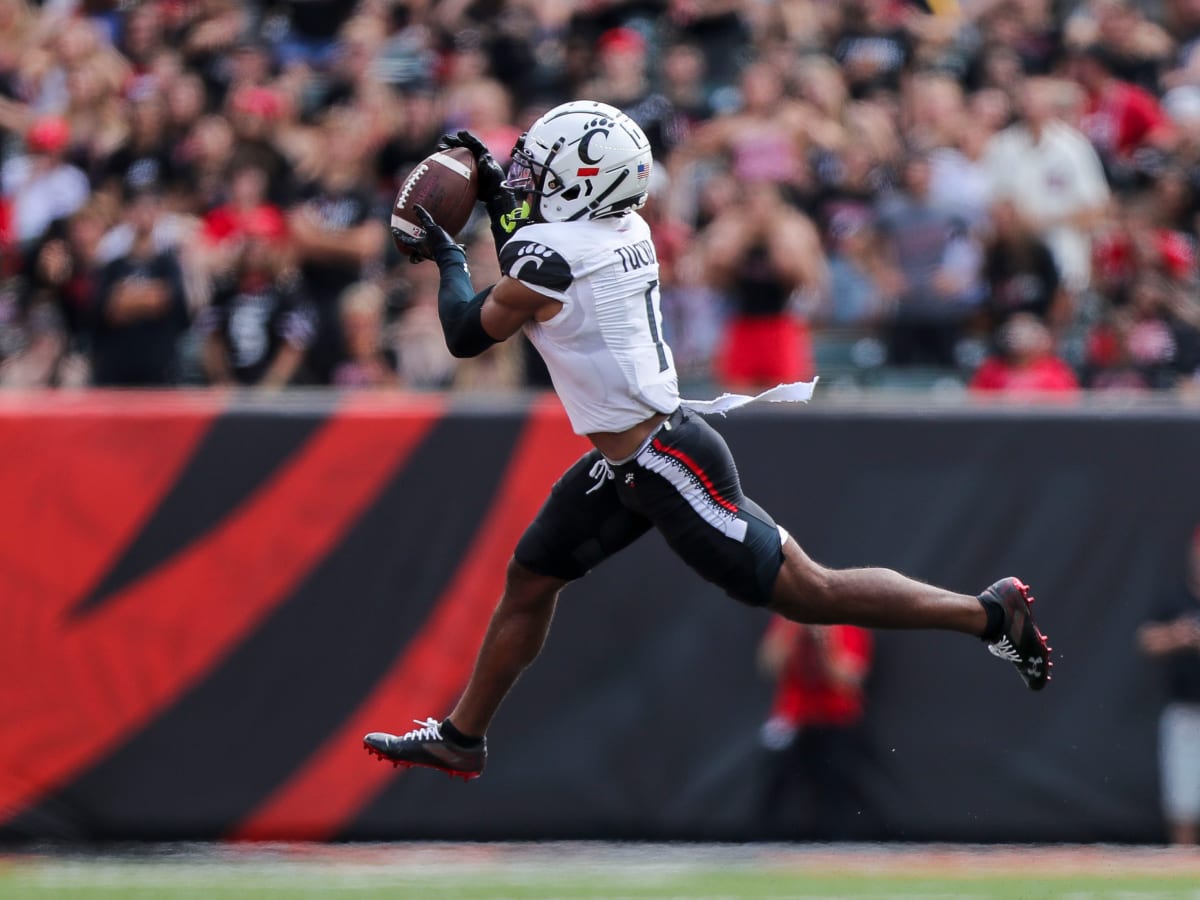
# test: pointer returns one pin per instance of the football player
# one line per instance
(580, 278)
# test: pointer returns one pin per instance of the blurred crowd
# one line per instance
(1001, 194)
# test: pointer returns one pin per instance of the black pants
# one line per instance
(683, 482)
(812, 788)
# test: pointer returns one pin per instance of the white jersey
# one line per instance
(604, 348)
(1051, 179)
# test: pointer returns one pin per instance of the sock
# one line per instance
(467, 741)
(995, 622)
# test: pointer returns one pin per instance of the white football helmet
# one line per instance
(582, 160)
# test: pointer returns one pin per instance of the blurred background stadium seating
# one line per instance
(243, 155)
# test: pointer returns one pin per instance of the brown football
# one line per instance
(445, 184)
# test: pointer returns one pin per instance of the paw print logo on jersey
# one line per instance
(535, 263)
(531, 254)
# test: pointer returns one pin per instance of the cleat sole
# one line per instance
(404, 764)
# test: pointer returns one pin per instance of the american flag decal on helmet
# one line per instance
(643, 171)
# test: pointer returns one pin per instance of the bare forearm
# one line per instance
(216, 362)
(283, 367)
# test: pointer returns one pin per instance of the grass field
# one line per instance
(527, 871)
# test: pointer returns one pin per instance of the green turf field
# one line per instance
(491, 873)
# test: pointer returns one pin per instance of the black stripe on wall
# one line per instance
(213, 757)
(234, 458)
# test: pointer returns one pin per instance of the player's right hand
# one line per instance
(436, 237)
(491, 176)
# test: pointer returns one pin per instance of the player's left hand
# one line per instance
(491, 176)
(436, 237)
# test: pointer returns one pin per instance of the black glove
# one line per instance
(491, 176)
(436, 238)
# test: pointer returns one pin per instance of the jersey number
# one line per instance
(651, 297)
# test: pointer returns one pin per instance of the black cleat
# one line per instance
(425, 746)
(1020, 642)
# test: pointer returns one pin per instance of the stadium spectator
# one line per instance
(1020, 272)
(821, 87)
(257, 116)
(762, 253)
(821, 99)
(16, 34)
(57, 306)
(955, 132)
(61, 45)
(147, 148)
(1025, 363)
(368, 363)
(817, 751)
(351, 80)
(486, 110)
(421, 117)
(849, 186)
(309, 32)
(765, 140)
(1151, 341)
(1124, 122)
(336, 229)
(1018, 37)
(41, 186)
(855, 296)
(1054, 178)
(872, 46)
(424, 361)
(1172, 637)
(224, 228)
(140, 310)
(1136, 243)
(1135, 49)
(683, 74)
(935, 262)
(259, 324)
(96, 111)
(623, 79)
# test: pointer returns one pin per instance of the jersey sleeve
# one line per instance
(536, 265)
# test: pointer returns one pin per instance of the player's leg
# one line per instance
(871, 597)
(685, 481)
(581, 524)
(513, 640)
(882, 598)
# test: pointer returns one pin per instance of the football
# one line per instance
(446, 185)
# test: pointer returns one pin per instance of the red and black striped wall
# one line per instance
(204, 604)
(204, 608)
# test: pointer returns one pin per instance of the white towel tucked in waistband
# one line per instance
(796, 392)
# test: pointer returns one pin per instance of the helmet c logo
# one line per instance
(584, 146)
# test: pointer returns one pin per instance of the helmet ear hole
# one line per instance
(571, 193)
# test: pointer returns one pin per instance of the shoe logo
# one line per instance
(1004, 649)
(1035, 666)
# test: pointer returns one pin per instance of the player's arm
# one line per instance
(510, 305)
(472, 322)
